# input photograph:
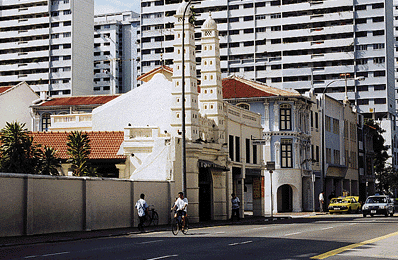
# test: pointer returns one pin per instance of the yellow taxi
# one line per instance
(342, 204)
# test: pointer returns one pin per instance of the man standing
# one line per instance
(142, 208)
(321, 201)
(235, 206)
(181, 205)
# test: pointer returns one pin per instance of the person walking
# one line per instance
(235, 206)
(142, 208)
(321, 201)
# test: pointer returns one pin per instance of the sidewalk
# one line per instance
(79, 235)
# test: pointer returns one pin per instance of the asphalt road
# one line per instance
(319, 237)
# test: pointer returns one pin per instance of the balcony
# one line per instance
(71, 122)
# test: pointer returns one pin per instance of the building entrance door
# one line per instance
(285, 197)
(205, 194)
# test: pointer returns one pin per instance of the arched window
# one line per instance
(45, 121)
(244, 106)
(285, 117)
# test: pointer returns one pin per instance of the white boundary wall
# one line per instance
(37, 204)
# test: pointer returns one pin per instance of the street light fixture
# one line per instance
(184, 159)
(346, 78)
(271, 167)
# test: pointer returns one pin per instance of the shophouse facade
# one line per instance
(285, 118)
(339, 148)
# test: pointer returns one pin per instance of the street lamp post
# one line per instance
(184, 159)
(271, 167)
(343, 79)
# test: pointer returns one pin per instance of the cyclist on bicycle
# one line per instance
(181, 205)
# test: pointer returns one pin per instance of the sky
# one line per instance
(112, 6)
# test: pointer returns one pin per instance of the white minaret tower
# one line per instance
(191, 91)
(211, 96)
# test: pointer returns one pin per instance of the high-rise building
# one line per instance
(115, 52)
(294, 44)
(298, 44)
(48, 44)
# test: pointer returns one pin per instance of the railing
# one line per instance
(71, 121)
(141, 132)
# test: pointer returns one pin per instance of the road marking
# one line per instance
(326, 228)
(290, 234)
(259, 228)
(241, 243)
(149, 242)
(345, 248)
(34, 256)
(162, 257)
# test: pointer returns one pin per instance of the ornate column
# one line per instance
(266, 117)
(277, 155)
(276, 117)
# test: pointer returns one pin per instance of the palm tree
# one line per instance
(79, 151)
(49, 161)
(17, 149)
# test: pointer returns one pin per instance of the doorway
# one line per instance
(205, 184)
(285, 198)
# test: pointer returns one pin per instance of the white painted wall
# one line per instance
(11, 111)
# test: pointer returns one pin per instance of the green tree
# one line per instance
(79, 150)
(383, 173)
(18, 153)
(49, 161)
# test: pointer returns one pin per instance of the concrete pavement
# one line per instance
(79, 235)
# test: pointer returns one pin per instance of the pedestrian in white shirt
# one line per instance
(235, 206)
(321, 201)
(142, 208)
(181, 205)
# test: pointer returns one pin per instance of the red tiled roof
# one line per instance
(104, 145)
(79, 100)
(4, 89)
(235, 87)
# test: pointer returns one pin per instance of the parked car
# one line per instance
(378, 205)
(347, 204)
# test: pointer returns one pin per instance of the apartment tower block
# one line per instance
(48, 44)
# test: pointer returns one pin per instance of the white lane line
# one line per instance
(162, 257)
(327, 228)
(34, 256)
(241, 243)
(290, 234)
(61, 253)
(259, 228)
(149, 242)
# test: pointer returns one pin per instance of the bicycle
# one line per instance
(176, 225)
(152, 217)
